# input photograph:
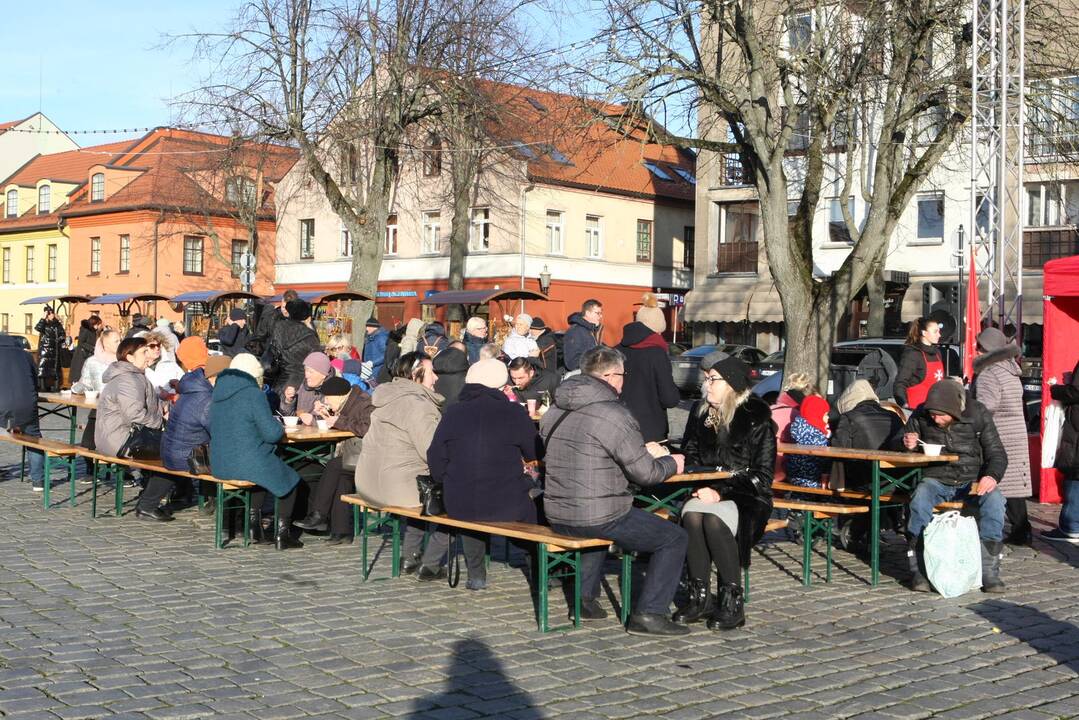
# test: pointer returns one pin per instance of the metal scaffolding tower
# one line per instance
(996, 155)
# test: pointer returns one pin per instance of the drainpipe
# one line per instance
(524, 223)
(157, 224)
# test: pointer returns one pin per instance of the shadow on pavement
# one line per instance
(477, 683)
(1056, 638)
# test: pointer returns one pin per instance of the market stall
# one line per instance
(1060, 351)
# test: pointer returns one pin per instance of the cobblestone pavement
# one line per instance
(122, 618)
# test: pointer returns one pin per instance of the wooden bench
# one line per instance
(817, 519)
(863, 495)
(559, 555)
(50, 449)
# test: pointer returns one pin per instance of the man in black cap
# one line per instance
(962, 425)
(550, 358)
(139, 323)
(374, 346)
(234, 335)
(50, 340)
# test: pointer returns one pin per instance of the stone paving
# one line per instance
(126, 619)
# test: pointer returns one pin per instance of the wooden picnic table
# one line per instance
(306, 443)
(683, 481)
(64, 406)
(912, 463)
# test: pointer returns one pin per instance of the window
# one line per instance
(4, 322)
(53, 256)
(802, 133)
(689, 246)
(931, 218)
(685, 175)
(737, 248)
(593, 236)
(192, 255)
(240, 191)
(7, 265)
(479, 231)
(644, 241)
(125, 253)
(44, 199)
(658, 172)
(391, 235)
(432, 227)
(346, 242)
(97, 187)
(12, 203)
(239, 247)
(95, 255)
(432, 156)
(800, 32)
(1045, 206)
(838, 232)
(307, 239)
(28, 323)
(30, 263)
(556, 244)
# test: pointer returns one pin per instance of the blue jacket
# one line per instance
(805, 470)
(18, 392)
(189, 420)
(579, 339)
(374, 350)
(473, 345)
(244, 435)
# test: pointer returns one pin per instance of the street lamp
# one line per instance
(545, 280)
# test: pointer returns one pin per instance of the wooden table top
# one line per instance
(73, 399)
(699, 476)
(311, 433)
(893, 459)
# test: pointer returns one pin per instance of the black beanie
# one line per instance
(298, 310)
(335, 386)
(945, 396)
(734, 371)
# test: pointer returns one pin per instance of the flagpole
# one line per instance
(959, 329)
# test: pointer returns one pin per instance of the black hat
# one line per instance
(734, 371)
(335, 386)
(237, 314)
(538, 324)
(712, 358)
(372, 322)
(298, 310)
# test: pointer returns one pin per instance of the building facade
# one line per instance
(22, 140)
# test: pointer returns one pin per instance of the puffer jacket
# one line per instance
(997, 386)
(128, 397)
(748, 448)
(84, 350)
(92, 377)
(594, 455)
(581, 337)
(973, 437)
(867, 426)
(50, 340)
(1067, 460)
(649, 389)
(451, 366)
(18, 392)
(292, 341)
(374, 350)
(189, 420)
(395, 447)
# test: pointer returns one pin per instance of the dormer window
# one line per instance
(44, 199)
(240, 191)
(12, 203)
(97, 187)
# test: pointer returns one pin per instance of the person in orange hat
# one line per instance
(189, 420)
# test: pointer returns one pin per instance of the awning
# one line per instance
(213, 296)
(734, 299)
(121, 298)
(318, 297)
(480, 297)
(44, 299)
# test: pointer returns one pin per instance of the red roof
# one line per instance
(70, 166)
(10, 124)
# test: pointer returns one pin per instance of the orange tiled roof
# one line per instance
(10, 124)
(69, 166)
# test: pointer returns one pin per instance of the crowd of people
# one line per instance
(520, 425)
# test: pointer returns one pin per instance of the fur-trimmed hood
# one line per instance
(1008, 352)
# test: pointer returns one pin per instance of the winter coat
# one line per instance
(84, 350)
(291, 342)
(50, 339)
(912, 369)
(434, 335)
(581, 337)
(806, 470)
(233, 339)
(189, 420)
(267, 321)
(549, 357)
(973, 437)
(1067, 460)
(137, 326)
(649, 389)
(867, 426)
(92, 377)
(18, 391)
(164, 372)
(374, 350)
(394, 451)
(747, 447)
(451, 366)
(997, 386)
(305, 398)
(784, 411)
(477, 452)
(594, 455)
(515, 346)
(128, 397)
(393, 352)
(354, 417)
(473, 345)
(542, 382)
(244, 435)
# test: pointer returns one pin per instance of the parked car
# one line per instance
(847, 365)
(687, 366)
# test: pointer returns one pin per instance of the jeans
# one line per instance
(930, 493)
(36, 458)
(1069, 509)
(638, 531)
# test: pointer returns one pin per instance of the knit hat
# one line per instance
(248, 363)
(298, 310)
(335, 386)
(946, 396)
(319, 362)
(734, 371)
(992, 339)
(237, 314)
(338, 364)
(215, 364)
(372, 322)
(712, 358)
(814, 410)
(650, 315)
(192, 353)
(538, 324)
(489, 373)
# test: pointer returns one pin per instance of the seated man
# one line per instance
(530, 382)
(964, 427)
(594, 451)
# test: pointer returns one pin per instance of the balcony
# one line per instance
(1043, 244)
(1057, 142)
(737, 257)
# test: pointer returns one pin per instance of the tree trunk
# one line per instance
(874, 288)
(458, 246)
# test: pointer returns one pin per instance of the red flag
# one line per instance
(973, 321)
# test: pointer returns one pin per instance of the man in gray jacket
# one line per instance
(594, 451)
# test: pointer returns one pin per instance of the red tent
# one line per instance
(1060, 351)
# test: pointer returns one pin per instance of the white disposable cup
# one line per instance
(323, 426)
(91, 394)
(65, 393)
(291, 420)
(531, 403)
(931, 449)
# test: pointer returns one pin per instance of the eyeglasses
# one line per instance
(154, 346)
(621, 374)
(709, 379)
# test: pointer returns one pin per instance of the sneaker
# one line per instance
(38, 488)
(590, 610)
(86, 480)
(1054, 535)
(475, 584)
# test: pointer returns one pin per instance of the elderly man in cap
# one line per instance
(951, 418)
(234, 335)
(550, 357)
(519, 342)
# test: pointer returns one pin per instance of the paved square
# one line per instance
(128, 619)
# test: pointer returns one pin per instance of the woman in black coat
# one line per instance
(88, 334)
(649, 388)
(478, 452)
(732, 429)
(920, 365)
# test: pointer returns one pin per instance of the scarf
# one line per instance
(102, 356)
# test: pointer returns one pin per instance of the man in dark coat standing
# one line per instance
(50, 340)
(585, 330)
(649, 390)
(139, 323)
(88, 333)
(234, 335)
(18, 400)
(374, 346)
(292, 341)
(1067, 461)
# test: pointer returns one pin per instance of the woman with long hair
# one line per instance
(920, 365)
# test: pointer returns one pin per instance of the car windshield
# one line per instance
(699, 351)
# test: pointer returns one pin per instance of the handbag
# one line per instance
(143, 443)
(198, 462)
(430, 495)
(953, 554)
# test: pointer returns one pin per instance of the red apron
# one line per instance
(934, 371)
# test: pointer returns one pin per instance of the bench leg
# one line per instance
(745, 584)
(118, 473)
(541, 584)
(361, 514)
(874, 526)
(807, 546)
(627, 584)
(395, 546)
(219, 515)
(247, 519)
(828, 556)
(22, 465)
(47, 499)
(93, 492)
(71, 463)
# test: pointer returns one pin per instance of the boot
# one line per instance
(701, 603)
(918, 583)
(258, 534)
(992, 551)
(284, 536)
(730, 610)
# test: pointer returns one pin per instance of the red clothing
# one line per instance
(934, 372)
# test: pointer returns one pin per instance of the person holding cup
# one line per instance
(301, 401)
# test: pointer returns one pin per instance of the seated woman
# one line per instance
(243, 443)
(729, 428)
(301, 401)
(478, 452)
(128, 397)
(407, 411)
(343, 407)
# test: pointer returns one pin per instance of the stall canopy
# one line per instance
(124, 301)
(1060, 352)
(480, 297)
(46, 299)
(319, 297)
(214, 296)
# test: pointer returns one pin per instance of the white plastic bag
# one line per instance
(1054, 421)
(953, 554)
